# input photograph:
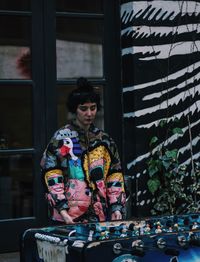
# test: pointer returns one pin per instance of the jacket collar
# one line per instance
(80, 130)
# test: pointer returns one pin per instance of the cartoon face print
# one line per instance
(67, 148)
(64, 133)
(114, 190)
(55, 184)
(96, 164)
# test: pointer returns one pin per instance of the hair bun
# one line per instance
(84, 93)
(82, 82)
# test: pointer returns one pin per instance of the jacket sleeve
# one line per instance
(52, 176)
(115, 182)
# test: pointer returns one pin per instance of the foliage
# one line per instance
(194, 188)
(166, 178)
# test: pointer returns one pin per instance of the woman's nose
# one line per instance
(89, 112)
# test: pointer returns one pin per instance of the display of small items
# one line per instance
(168, 224)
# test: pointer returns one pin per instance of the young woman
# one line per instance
(81, 165)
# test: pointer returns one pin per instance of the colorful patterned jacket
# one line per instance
(82, 174)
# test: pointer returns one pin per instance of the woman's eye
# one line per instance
(93, 108)
(83, 108)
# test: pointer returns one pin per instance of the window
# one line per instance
(44, 47)
(79, 47)
(16, 168)
(79, 50)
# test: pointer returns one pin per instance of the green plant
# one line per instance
(166, 178)
(194, 188)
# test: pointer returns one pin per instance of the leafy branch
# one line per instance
(166, 178)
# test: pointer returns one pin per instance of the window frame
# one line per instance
(44, 97)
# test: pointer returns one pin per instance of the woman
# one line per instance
(81, 165)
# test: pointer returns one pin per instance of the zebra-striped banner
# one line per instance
(161, 74)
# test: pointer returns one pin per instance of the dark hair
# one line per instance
(84, 93)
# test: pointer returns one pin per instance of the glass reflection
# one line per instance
(15, 55)
(64, 116)
(15, 114)
(79, 48)
(80, 6)
(16, 186)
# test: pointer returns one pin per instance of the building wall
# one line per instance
(160, 81)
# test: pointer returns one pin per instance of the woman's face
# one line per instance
(85, 114)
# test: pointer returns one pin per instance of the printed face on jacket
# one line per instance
(85, 114)
(55, 184)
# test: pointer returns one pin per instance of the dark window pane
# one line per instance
(16, 186)
(64, 116)
(15, 115)
(15, 58)
(79, 48)
(20, 5)
(80, 6)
